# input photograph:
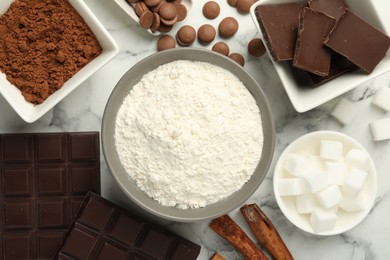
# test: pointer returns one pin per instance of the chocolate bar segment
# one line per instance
(279, 25)
(103, 230)
(42, 185)
(310, 52)
(358, 41)
(332, 8)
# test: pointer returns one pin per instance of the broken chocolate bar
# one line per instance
(44, 179)
(332, 8)
(358, 41)
(279, 25)
(103, 230)
(310, 52)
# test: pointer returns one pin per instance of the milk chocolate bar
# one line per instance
(103, 230)
(279, 25)
(310, 52)
(332, 8)
(358, 41)
(43, 179)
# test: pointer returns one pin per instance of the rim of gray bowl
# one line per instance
(120, 91)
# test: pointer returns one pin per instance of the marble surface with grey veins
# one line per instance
(82, 110)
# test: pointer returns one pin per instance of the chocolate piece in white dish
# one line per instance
(358, 41)
(279, 25)
(332, 8)
(310, 52)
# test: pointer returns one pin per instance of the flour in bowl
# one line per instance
(189, 134)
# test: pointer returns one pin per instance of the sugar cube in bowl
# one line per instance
(327, 205)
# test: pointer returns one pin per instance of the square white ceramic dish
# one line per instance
(30, 112)
(304, 98)
(129, 10)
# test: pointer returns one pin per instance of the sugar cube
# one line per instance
(316, 162)
(329, 197)
(331, 149)
(296, 164)
(355, 181)
(291, 186)
(353, 204)
(305, 203)
(315, 180)
(380, 129)
(322, 220)
(357, 157)
(344, 111)
(337, 172)
(382, 98)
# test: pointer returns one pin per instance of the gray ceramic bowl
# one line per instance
(131, 190)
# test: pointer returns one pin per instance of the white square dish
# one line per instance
(30, 112)
(129, 10)
(305, 98)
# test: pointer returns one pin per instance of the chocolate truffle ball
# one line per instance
(243, 6)
(206, 34)
(211, 10)
(228, 27)
(256, 47)
(165, 42)
(186, 35)
(237, 58)
(221, 48)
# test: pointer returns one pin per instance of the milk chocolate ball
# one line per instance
(211, 10)
(166, 42)
(243, 6)
(228, 27)
(256, 47)
(206, 34)
(221, 48)
(186, 35)
(237, 58)
(232, 3)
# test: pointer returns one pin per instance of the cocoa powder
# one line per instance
(43, 43)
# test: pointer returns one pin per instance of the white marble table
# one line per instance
(82, 110)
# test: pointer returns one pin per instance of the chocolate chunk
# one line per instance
(310, 52)
(44, 179)
(102, 229)
(338, 66)
(332, 8)
(279, 26)
(358, 41)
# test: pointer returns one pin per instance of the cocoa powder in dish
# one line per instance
(44, 43)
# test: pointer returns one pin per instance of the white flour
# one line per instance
(189, 134)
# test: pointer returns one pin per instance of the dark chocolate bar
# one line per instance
(43, 180)
(279, 25)
(332, 8)
(338, 66)
(358, 41)
(103, 230)
(310, 52)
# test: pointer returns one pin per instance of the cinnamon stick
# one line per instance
(229, 230)
(217, 256)
(265, 232)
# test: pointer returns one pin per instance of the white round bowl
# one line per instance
(309, 144)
